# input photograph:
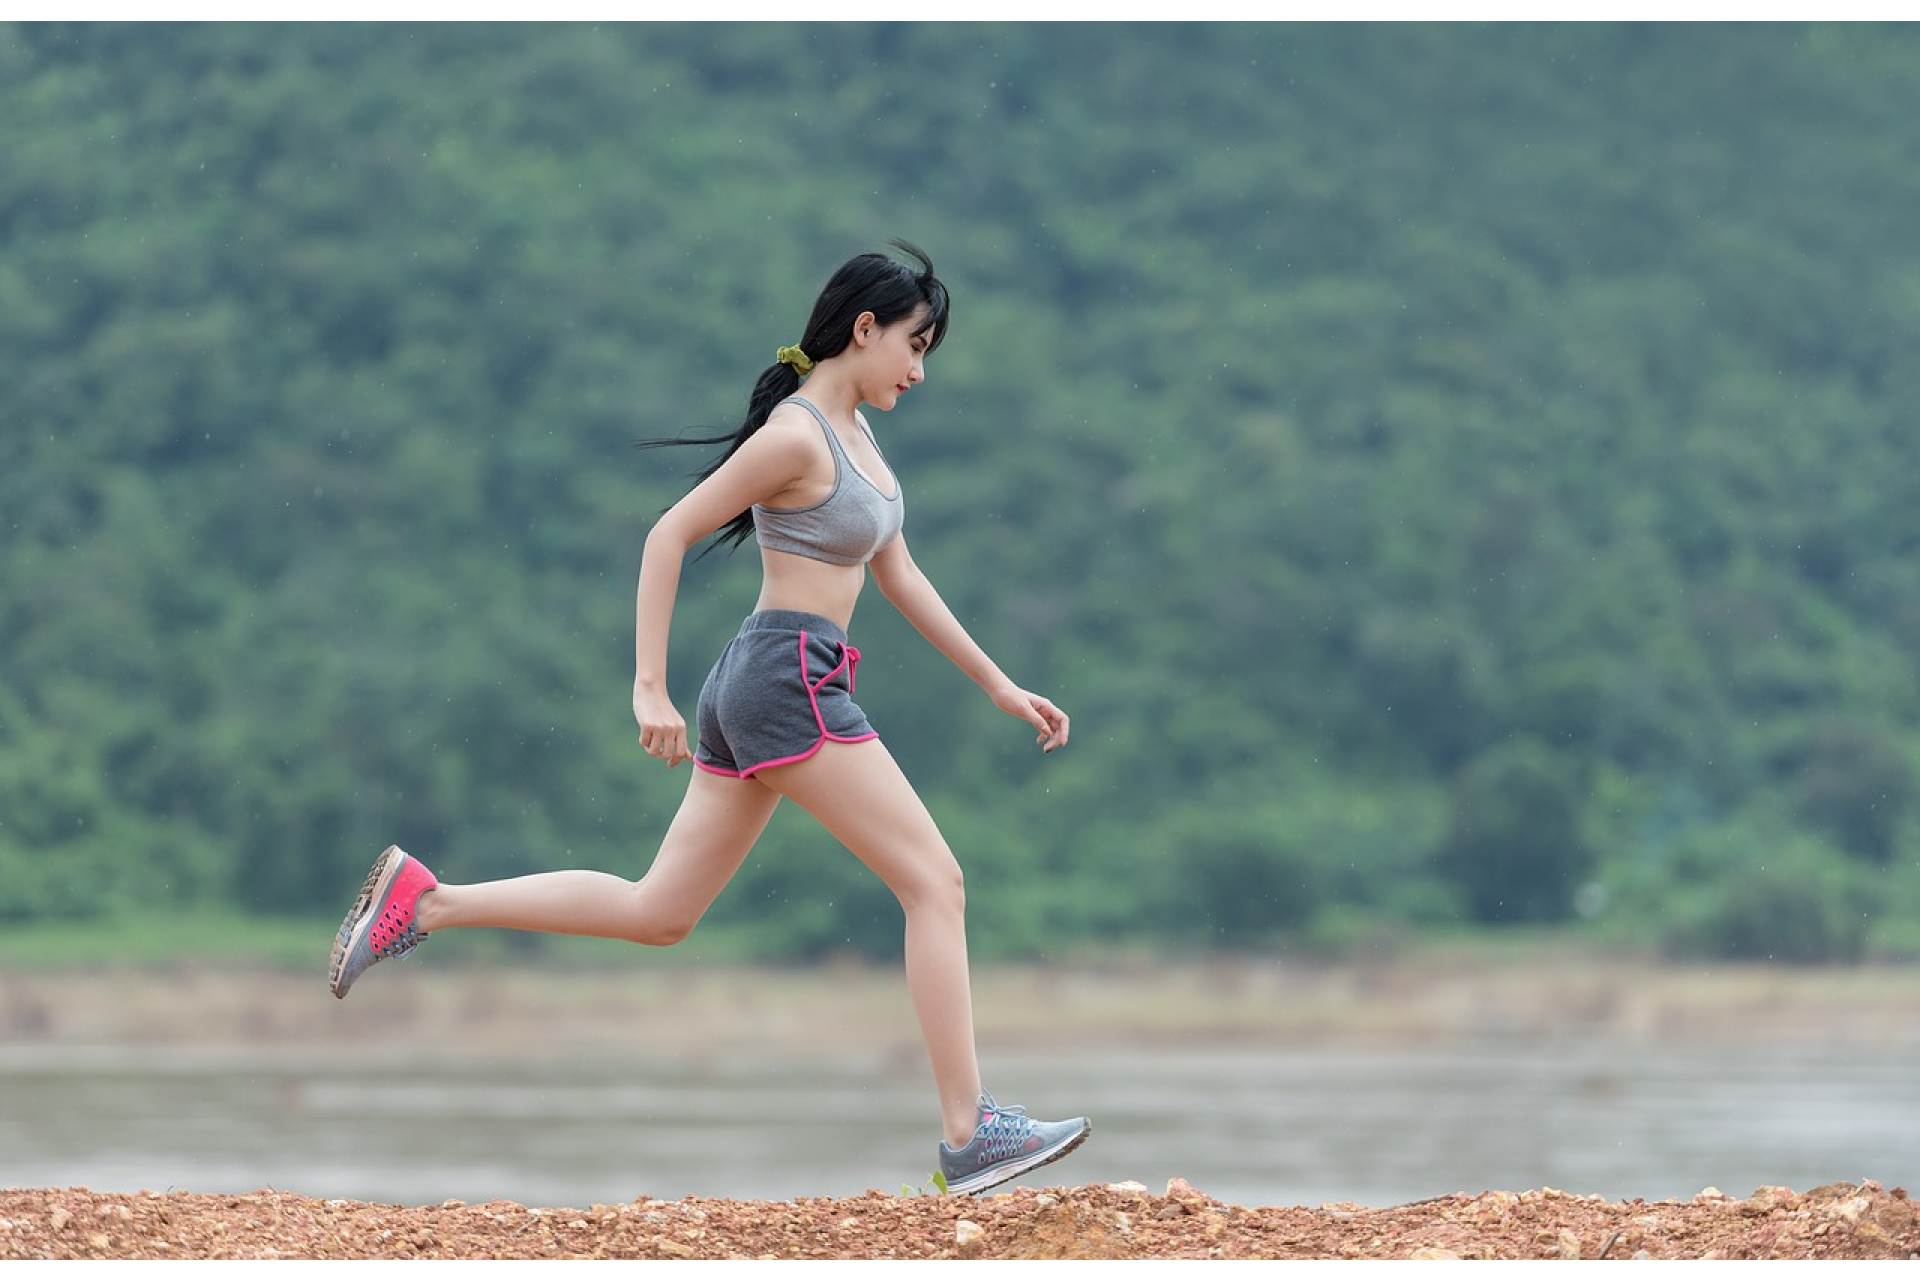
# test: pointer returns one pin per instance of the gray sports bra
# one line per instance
(847, 526)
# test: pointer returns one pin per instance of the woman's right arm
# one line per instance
(770, 461)
(662, 732)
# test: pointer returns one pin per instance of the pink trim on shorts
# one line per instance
(849, 659)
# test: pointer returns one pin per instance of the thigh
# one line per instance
(857, 791)
(716, 826)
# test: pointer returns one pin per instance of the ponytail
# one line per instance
(776, 384)
(870, 282)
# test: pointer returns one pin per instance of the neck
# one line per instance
(831, 392)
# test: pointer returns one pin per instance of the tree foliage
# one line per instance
(1435, 464)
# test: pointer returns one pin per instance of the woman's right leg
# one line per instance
(718, 822)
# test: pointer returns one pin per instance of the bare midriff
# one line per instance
(789, 581)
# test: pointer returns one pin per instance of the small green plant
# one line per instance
(936, 1186)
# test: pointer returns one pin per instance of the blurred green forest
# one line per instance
(1457, 477)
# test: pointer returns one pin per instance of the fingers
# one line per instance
(673, 755)
(1051, 721)
(663, 732)
(667, 743)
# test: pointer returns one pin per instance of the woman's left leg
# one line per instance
(858, 793)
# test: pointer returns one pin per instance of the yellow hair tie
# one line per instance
(796, 359)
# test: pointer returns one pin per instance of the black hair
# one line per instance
(874, 282)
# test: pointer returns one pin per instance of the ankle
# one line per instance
(961, 1128)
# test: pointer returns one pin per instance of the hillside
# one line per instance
(1456, 477)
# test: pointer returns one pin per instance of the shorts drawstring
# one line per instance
(849, 659)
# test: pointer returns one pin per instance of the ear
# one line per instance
(865, 327)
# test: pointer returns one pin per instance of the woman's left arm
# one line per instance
(903, 583)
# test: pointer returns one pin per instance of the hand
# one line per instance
(1050, 720)
(663, 734)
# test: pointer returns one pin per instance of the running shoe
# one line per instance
(1005, 1145)
(382, 924)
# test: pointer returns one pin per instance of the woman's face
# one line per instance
(895, 358)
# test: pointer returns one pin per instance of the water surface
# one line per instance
(1248, 1126)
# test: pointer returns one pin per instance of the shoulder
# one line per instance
(788, 430)
(785, 449)
(791, 418)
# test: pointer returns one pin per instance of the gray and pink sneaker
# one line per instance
(1006, 1144)
(382, 922)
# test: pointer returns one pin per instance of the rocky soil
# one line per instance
(1121, 1221)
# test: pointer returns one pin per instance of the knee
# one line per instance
(661, 933)
(652, 923)
(941, 887)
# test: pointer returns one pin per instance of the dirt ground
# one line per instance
(1401, 1003)
(1122, 1221)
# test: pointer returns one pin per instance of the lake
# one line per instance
(1247, 1125)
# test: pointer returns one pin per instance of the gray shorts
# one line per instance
(782, 689)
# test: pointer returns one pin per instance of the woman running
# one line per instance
(776, 718)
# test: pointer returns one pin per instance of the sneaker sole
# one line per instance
(385, 868)
(990, 1178)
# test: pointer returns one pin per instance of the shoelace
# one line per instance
(1004, 1135)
